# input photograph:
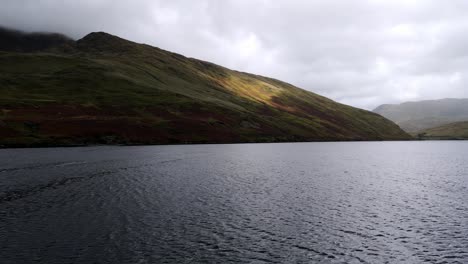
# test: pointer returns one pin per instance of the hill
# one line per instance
(416, 116)
(104, 89)
(17, 41)
(458, 130)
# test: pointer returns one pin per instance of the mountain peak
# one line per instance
(99, 35)
(104, 42)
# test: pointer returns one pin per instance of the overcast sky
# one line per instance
(362, 53)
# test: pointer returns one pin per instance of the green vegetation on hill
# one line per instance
(104, 89)
(457, 130)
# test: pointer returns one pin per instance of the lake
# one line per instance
(343, 202)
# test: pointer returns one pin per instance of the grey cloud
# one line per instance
(363, 52)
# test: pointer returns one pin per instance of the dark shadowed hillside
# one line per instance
(17, 41)
(104, 89)
(417, 116)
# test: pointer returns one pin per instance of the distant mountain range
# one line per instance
(414, 117)
(103, 89)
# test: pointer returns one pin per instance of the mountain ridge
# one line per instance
(18, 41)
(105, 89)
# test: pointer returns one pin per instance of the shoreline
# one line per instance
(3, 147)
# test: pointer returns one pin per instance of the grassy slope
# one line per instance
(109, 90)
(458, 130)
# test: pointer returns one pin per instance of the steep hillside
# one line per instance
(415, 116)
(458, 130)
(104, 89)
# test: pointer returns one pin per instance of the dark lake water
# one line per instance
(356, 202)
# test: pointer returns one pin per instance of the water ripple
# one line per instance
(380, 202)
